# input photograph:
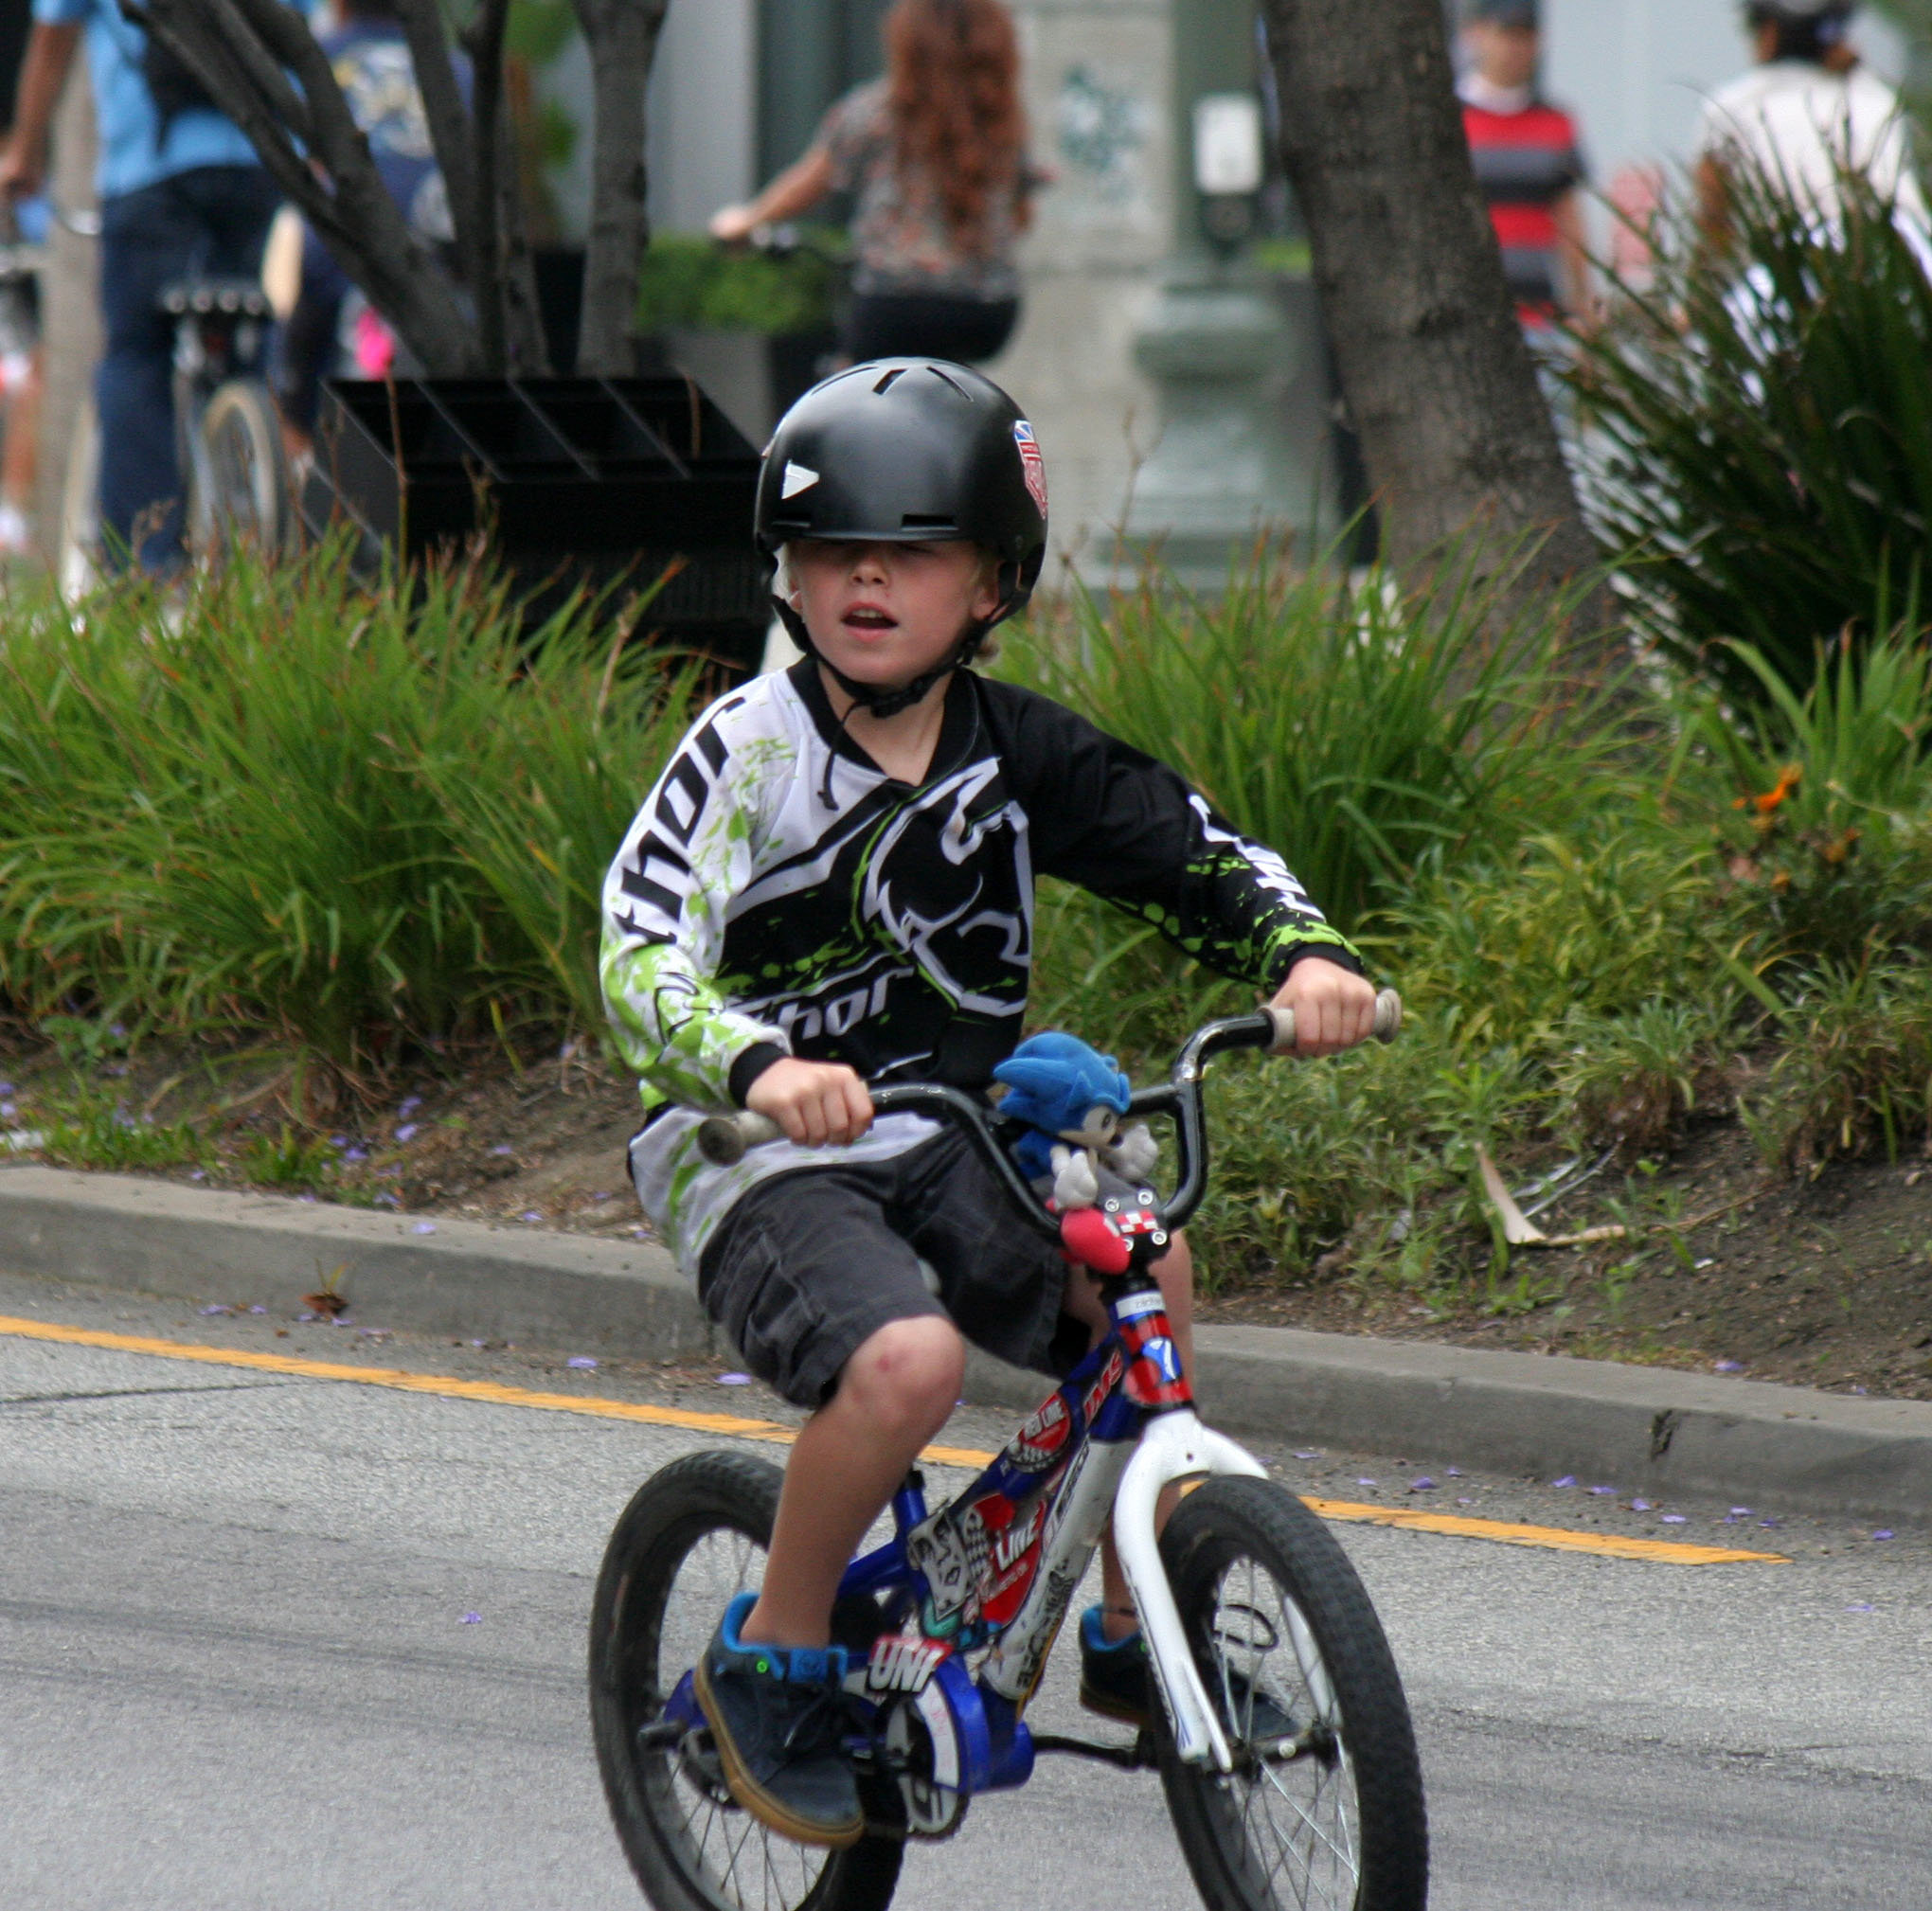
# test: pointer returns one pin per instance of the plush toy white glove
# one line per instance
(1075, 1184)
(1133, 1156)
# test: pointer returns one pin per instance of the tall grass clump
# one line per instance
(1759, 430)
(292, 803)
(1361, 728)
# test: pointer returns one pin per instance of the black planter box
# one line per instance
(577, 480)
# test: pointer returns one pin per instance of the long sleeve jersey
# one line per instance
(780, 894)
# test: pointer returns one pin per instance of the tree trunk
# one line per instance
(1454, 428)
(623, 36)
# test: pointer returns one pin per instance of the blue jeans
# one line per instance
(210, 220)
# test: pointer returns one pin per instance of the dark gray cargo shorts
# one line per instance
(807, 1266)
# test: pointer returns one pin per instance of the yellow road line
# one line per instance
(1670, 1552)
(1561, 1539)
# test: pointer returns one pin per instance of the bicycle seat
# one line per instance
(238, 297)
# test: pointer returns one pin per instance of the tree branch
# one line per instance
(229, 47)
(622, 35)
(449, 129)
(483, 42)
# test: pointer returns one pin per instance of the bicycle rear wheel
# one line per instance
(692, 1537)
(242, 476)
(1330, 1815)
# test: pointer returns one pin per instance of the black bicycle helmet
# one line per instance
(907, 451)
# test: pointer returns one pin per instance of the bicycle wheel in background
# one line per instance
(692, 1537)
(242, 474)
(78, 558)
(1327, 1814)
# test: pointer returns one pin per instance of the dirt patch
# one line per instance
(1822, 1284)
(1826, 1283)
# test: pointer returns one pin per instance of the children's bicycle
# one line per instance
(1283, 1738)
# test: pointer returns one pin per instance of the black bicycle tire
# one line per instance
(1224, 1520)
(701, 1492)
(245, 403)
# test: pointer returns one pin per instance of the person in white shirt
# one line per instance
(1804, 111)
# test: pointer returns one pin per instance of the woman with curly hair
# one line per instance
(935, 153)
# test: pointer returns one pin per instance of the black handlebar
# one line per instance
(723, 1138)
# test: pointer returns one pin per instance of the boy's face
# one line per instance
(885, 613)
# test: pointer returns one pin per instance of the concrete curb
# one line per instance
(1641, 1429)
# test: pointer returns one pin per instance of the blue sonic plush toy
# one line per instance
(1073, 1099)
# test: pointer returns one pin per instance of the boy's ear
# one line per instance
(986, 593)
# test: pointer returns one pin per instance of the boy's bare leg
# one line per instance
(1175, 1274)
(895, 1393)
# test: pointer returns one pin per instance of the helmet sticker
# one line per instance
(1033, 466)
(800, 477)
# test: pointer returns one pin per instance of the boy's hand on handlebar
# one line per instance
(732, 225)
(816, 1103)
(1334, 1007)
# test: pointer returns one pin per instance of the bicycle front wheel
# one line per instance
(692, 1538)
(242, 477)
(1326, 1810)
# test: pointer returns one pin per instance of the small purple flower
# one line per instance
(734, 1380)
(529, 1214)
(1861, 1606)
(305, 1315)
(1740, 1512)
(356, 1154)
(1884, 1533)
(582, 1360)
(406, 1133)
(1673, 1519)
(1568, 1480)
(476, 1343)
(1454, 1473)
(1639, 1505)
(338, 1141)
(503, 1147)
(117, 1030)
(1727, 1367)
(7, 1088)
(1861, 1389)
(387, 1200)
(599, 1194)
(198, 1174)
(424, 1227)
(373, 1332)
(309, 1198)
(9, 1110)
(1463, 1500)
(1308, 1453)
(1600, 1492)
(1365, 1483)
(472, 1619)
(408, 1106)
(257, 1308)
(218, 1308)
(1423, 1485)
(1771, 1523)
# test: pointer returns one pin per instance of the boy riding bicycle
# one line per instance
(832, 884)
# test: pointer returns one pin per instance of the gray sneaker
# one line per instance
(779, 1718)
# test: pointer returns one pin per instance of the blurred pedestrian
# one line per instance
(1530, 165)
(181, 193)
(1805, 111)
(935, 154)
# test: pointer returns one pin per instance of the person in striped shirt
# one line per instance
(1528, 163)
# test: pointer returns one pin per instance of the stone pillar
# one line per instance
(1097, 76)
(70, 303)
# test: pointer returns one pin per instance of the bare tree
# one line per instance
(262, 67)
(622, 35)
(1453, 425)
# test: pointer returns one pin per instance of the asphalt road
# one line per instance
(235, 1671)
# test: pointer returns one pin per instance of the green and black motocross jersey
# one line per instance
(779, 893)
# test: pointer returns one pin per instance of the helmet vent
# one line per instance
(939, 373)
(885, 382)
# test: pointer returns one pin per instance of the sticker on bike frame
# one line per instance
(1044, 1435)
(901, 1662)
(1134, 1305)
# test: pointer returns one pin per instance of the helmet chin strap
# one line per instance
(871, 697)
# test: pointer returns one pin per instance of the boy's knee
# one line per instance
(908, 1372)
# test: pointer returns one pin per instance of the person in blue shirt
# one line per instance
(181, 193)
